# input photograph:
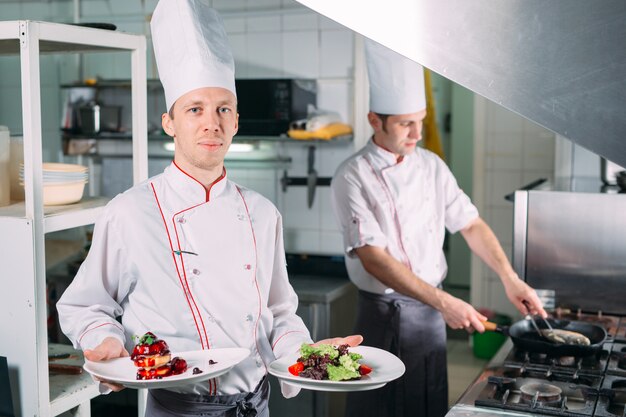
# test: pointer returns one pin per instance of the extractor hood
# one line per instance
(559, 63)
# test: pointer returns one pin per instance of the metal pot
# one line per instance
(94, 118)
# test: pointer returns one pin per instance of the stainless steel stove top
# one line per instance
(517, 383)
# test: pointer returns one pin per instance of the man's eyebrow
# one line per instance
(227, 102)
(193, 103)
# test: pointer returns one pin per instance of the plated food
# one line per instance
(385, 367)
(328, 362)
(201, 366)
(153, 359)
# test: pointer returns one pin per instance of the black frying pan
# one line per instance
(525, 337)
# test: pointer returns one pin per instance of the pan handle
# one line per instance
(490, 326)
(494, 327)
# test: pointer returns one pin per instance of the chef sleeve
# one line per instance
(354, 212)
(288, 332)
(459, 208)
(88, 308)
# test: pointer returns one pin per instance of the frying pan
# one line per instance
(525, 337)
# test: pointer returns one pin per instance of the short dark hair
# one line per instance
(171, 111)
(383, 118)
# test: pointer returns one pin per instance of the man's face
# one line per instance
(400, 133)
(205, 121)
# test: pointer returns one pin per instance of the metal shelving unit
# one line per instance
(23, 226)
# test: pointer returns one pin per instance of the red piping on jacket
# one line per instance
(207, 190)
(407, 261)
(98, 326)
(292, 331)
(213, 381)
(185, 288)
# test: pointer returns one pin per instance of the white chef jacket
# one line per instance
(403, 207)
(201, 269)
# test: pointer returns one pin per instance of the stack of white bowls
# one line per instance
(62, 183)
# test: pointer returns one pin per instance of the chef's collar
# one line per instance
(190, 189)
(383, 156)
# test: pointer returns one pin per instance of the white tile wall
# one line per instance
(300, 21)
(264, 55)
(300, 54)
(336, 54)
(516, 152)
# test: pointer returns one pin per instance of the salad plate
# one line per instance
(385, 368)
(123, 371)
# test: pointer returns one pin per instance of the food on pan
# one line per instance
(565, 337)
(327, 362)
(153, 358)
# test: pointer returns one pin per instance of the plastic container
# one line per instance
(486, 344)
(5, 178)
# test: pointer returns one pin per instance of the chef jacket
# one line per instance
(201, 269)
(403, 207)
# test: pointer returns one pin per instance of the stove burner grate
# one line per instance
(537, 396)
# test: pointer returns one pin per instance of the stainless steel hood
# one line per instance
(559, 63)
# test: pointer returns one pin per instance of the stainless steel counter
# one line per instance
(320, 289)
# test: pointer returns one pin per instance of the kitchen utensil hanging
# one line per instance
(310, 181)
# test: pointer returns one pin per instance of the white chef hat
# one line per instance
(396, 82)
(191, 48)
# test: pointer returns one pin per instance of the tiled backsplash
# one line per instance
(516, 152)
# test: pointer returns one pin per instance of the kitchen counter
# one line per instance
(320, 289)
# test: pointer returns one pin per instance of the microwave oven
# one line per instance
(267, 106)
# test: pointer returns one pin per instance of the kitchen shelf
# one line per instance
(65, 217)
(24, 225)
(69, 391)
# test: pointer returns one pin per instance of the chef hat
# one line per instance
(396, 82)
(191, 48)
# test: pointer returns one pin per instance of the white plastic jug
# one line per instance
(5, 150)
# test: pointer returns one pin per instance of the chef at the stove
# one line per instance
(189, 254)
(393, 202)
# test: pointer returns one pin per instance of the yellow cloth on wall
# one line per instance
(432, 140)
(327, 132)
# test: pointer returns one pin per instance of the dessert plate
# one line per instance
(385, 367)
(124, 372)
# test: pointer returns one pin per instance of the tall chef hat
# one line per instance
(396, 82)
(191, 48)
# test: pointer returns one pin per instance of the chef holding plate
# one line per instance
(189, 254)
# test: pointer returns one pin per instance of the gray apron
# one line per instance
(164, 403)
(416, 333)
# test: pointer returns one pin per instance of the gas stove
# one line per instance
(519, 383)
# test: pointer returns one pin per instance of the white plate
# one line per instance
(385, 368)
(124, 372)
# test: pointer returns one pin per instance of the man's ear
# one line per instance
(375, 121)
(236, 123)
(168, 124)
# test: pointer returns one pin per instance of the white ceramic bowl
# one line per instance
(56, 194)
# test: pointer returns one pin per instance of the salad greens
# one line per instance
(329, 362)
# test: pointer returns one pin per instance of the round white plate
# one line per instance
(124, 372)
(385, 367)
